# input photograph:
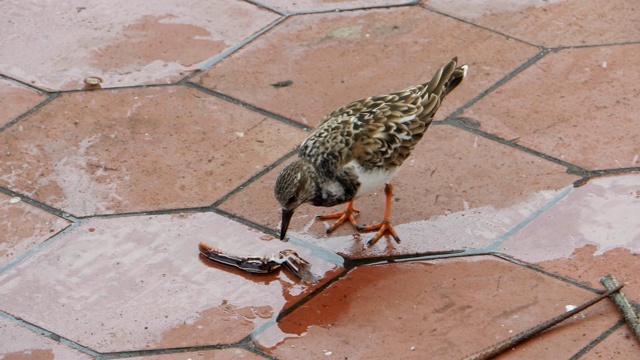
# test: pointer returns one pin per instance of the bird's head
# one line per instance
(295, 186)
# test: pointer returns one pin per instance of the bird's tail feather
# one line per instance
(446, 79)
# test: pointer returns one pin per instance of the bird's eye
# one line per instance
(292, 199)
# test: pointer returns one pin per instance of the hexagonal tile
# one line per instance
(457, 190)
(570, 103)
(123, 42)
(24, 227)
(132, 150)
(15, 100)
(328, 5)
(137, 283)
(552, 23)
(420, 310)
(18, 343)
(334, 58)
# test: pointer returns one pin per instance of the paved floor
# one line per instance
(532, 169)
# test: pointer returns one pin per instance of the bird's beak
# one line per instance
(286, 218)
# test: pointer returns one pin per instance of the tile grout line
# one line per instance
(499, 83)
(216, 59)
(494, 31)
(598, 340)
(245, 105)
(360, 8)
(494, 246)
(460, 123)
(254, 178)
(50, 98)
(244, 343)
(26, 85)
(41, 246)
(48, 334)
(40, 205)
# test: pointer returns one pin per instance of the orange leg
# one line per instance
(347, 214)
(385, 226)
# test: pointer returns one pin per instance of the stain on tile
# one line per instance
(137, 51)
(127, 43)
(160, 148)
(337, 62)
(138, 283)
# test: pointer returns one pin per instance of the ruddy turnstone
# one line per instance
(361, 146)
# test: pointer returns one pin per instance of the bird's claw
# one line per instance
(384, 228)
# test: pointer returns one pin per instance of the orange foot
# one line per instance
(385, 226)
(347, 214)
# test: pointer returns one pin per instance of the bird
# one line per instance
(358, 148)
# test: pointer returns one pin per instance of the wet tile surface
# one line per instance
(301, 6)
(138, 284)
(443, 198)
(16, 100)
(439, 306)
(600, 213)
(592, 106)
(224, 354)
(18, 343)
(119, 185)
(329, 66)
(123, 42)
(162, 148)
(24, 227)
(552, 23)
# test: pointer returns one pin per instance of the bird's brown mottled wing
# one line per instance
(381, 130)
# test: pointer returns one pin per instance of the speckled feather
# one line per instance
(378, 131)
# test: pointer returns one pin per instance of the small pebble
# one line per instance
(14, 200)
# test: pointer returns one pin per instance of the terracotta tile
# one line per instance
(139, 149)
(327, 5)
(482, 300)
(586, 266)
(619, 345)
(24, 227)
(591, 106)
(600, 213)
(552, 23)
(18, 343)
(457, 190)
(334, 58)
(137, 283)
(223, 354)
(15, 100)
(122, 42)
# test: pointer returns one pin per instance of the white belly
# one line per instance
(372, 180)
